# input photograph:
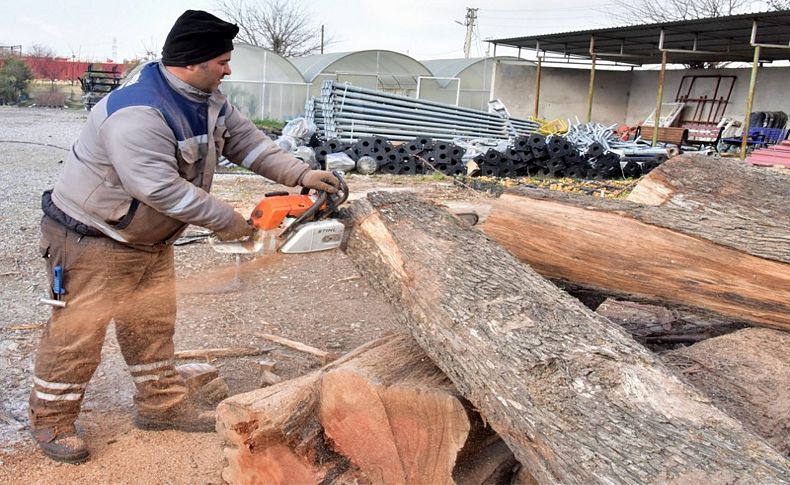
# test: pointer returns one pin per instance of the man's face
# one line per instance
(206, 76)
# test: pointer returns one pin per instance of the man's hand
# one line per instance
(320, 180)
(238, 228)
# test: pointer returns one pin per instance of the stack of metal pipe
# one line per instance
(348, 113)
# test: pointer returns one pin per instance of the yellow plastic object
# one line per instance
(553, 127)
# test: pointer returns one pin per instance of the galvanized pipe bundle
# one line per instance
(348, 113)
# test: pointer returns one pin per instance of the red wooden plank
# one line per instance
(757, 160)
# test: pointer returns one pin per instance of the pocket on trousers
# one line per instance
(43, 251)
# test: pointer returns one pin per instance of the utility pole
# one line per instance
(322, 38)
(471, 17)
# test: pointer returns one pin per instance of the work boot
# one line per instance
(184, 416)
(61, 443)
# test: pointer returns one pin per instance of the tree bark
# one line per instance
(382, 414)
(743, 206)
(746, 374)
(576, 399)
(654, 254)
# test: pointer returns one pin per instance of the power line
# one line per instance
(547, 9)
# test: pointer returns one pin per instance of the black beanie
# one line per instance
(196, 37)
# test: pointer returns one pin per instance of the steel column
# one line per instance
(592, 79)
(591, 90)
(750, 101)
(659, 96)
(537, 88)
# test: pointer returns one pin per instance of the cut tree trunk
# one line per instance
(663, 255)
(746, 374)
(382, 414)
(576, 399)
(742, 206)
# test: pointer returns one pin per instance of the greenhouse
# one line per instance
(382, 70)
(265, 85)
(464, 82)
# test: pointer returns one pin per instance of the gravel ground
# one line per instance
(318, 299)
(28, 169)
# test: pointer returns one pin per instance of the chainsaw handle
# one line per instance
(322, 199)
(343, 187)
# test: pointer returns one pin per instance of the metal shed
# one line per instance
(465, 82)
(264, 84)
(382, 70)
(755, 37)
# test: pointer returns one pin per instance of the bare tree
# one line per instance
(151, 49)
(778, 4)
(44, 63)
(279, 25)
(650, 11)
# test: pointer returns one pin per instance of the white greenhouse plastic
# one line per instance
(465, 82)
(264, 84)
(382, 70)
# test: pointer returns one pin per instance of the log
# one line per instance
(655, 324)
(272, 435)
(733, 201)
(381, 414)
(575, 398)
(658, 255)
(746, 374)
(398, 396)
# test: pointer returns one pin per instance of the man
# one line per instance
(139, 173)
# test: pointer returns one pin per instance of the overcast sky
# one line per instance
(424, 29)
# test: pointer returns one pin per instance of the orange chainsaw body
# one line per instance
(272, 211)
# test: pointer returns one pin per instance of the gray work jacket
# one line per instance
(143, 165)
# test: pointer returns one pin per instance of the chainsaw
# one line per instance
(291, 223)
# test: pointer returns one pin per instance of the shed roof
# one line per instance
(711, 39)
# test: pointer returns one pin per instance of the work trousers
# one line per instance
(105, 281)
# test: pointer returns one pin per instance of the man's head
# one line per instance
(197, 49)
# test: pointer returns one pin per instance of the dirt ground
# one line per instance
(318, 299)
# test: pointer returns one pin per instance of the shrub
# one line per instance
(14, 78)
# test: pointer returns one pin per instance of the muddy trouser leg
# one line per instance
(144, 327)
(70, 348)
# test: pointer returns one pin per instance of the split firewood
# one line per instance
(382, 414)
(214, 391)
(203, 381)
(746, 374)
(266, 365)
(197, 374)
(324, 356)
(575, 398)
(221, 352)
(268, 378)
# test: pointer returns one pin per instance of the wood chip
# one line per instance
(27, 326)
(349, 278)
